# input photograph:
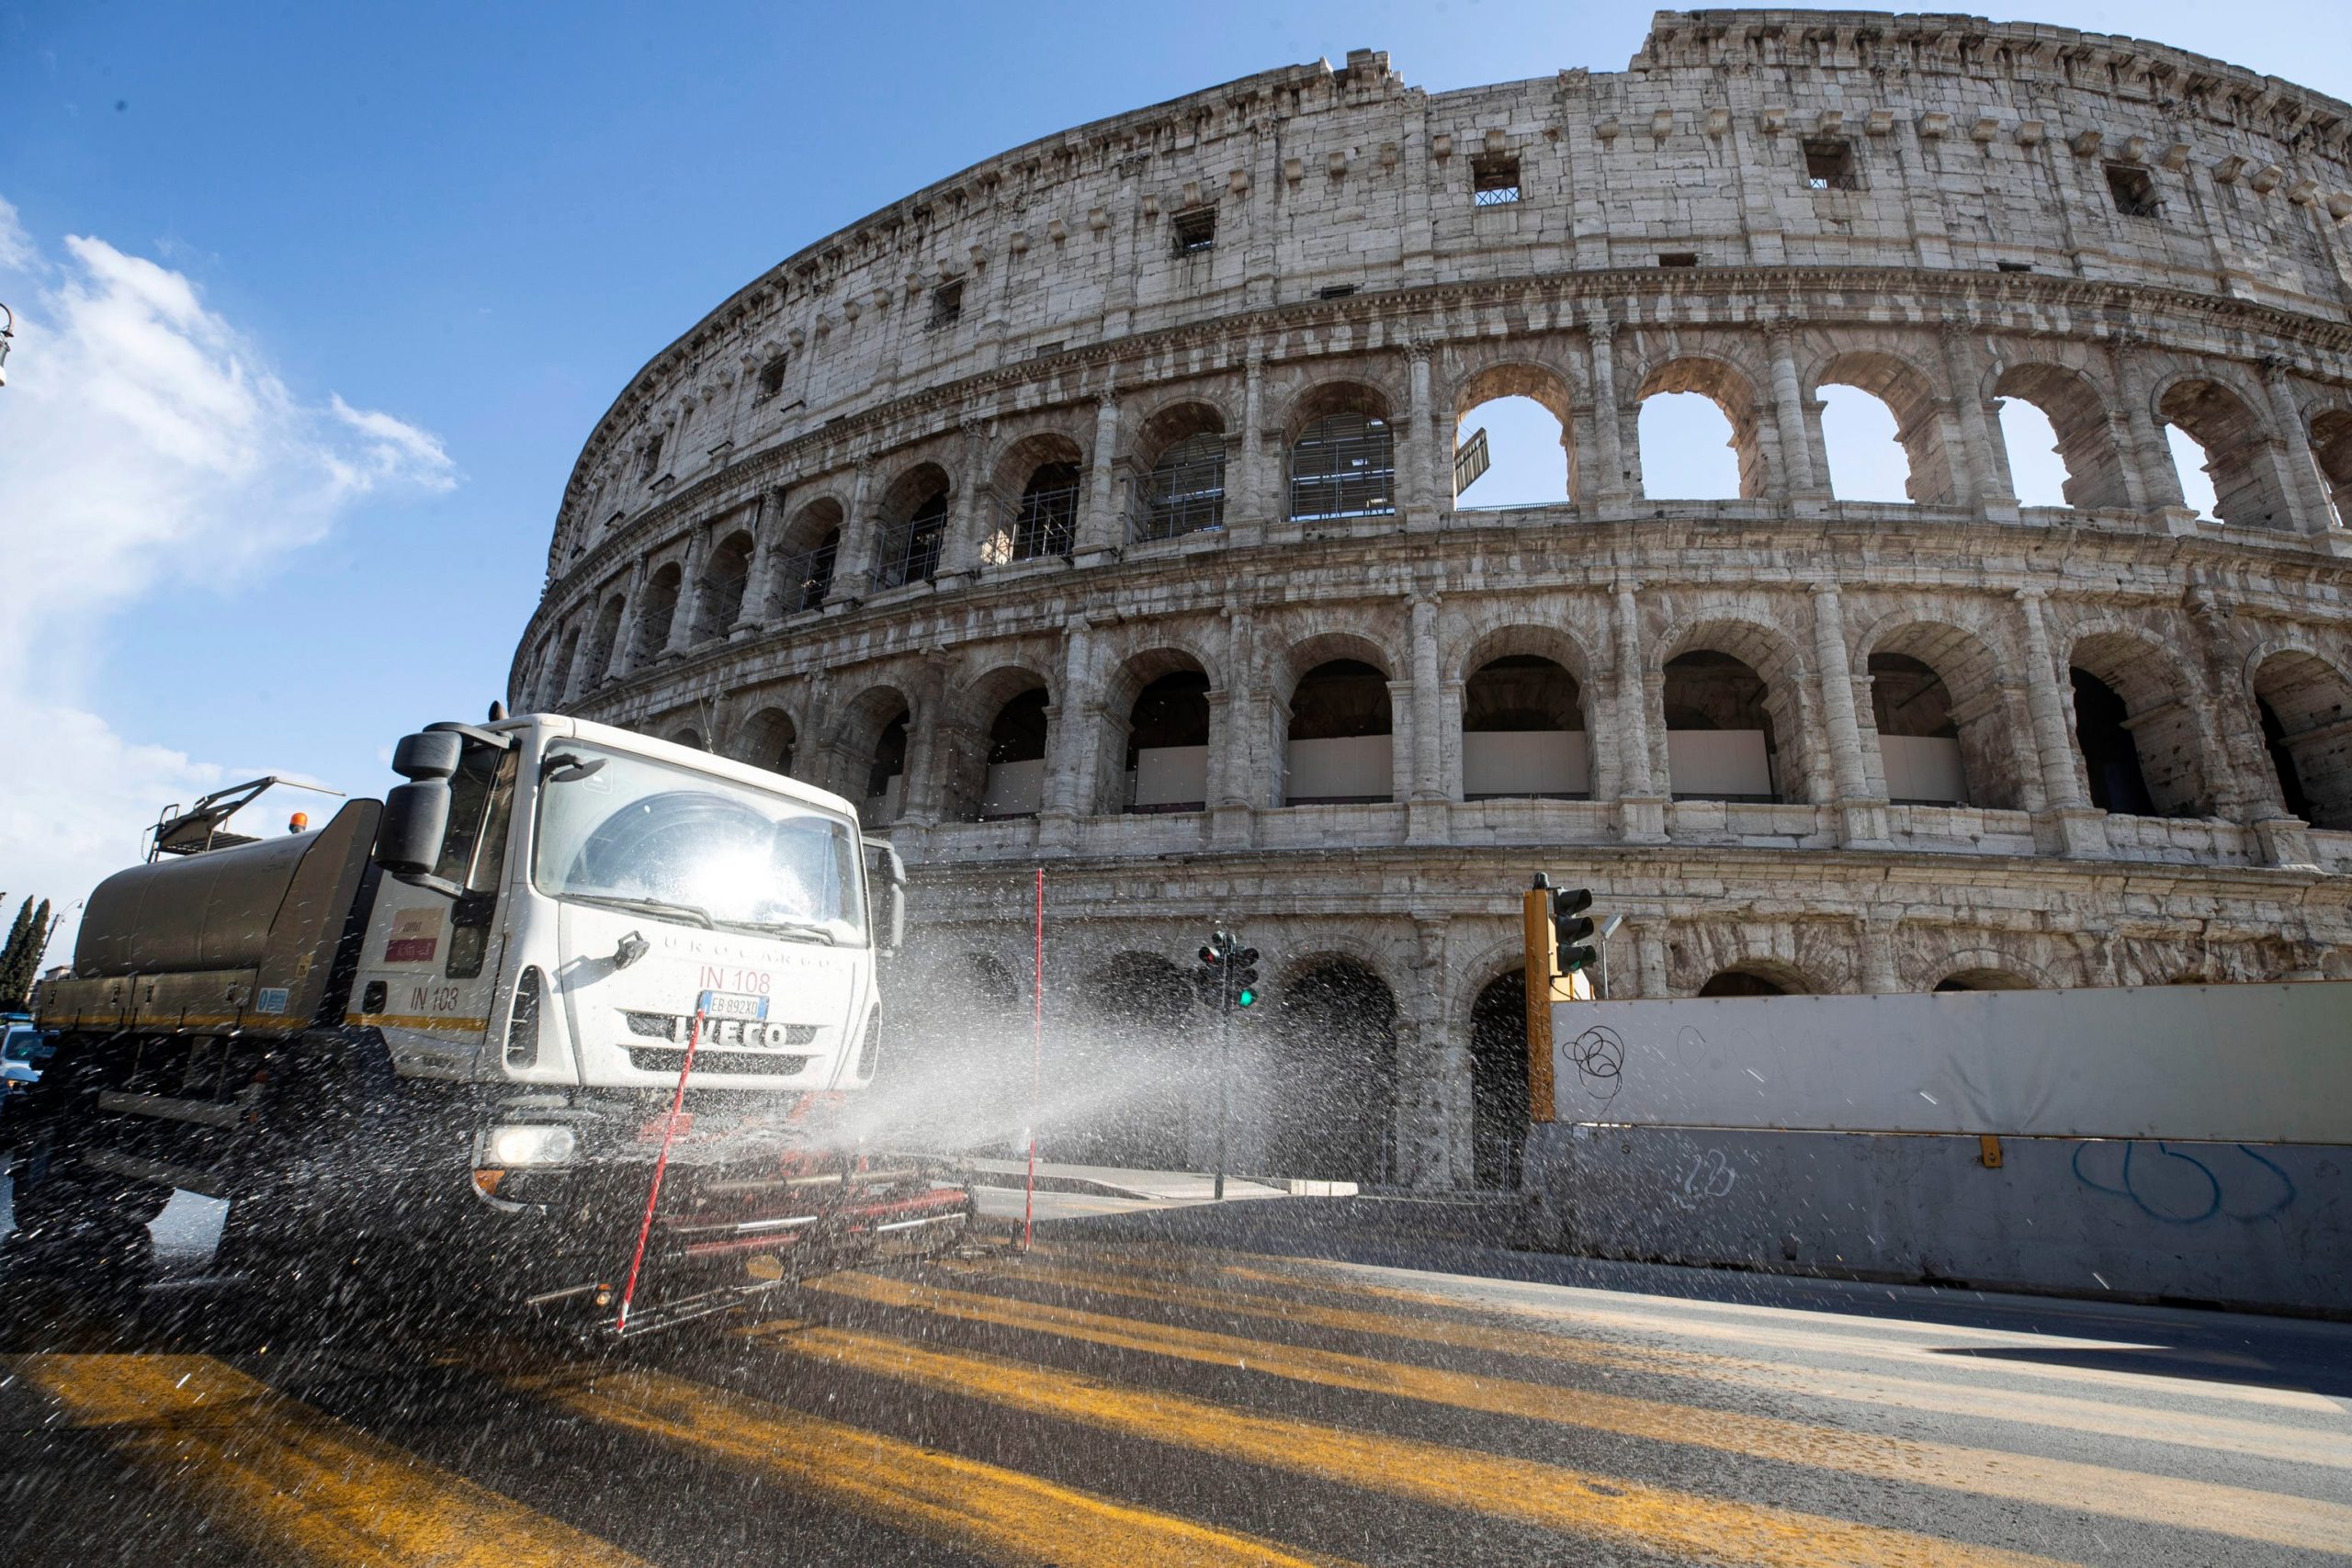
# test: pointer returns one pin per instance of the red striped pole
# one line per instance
(1036, 1060)
(660, 1164)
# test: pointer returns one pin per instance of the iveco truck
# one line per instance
(446, 1036)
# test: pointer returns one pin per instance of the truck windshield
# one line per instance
(647, 833)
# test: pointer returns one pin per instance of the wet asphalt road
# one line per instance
(1285, 1382)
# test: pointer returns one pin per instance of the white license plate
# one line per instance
(732, 1004)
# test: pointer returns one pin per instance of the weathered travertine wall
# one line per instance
(1939, 211)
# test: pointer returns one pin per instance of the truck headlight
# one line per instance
(508, 1148)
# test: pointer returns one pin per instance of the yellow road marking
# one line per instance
(293, 1483)
(1678, 1318)
(2220, 1434)
(1552, 1497)
(999, 1513)
(2277, 1517)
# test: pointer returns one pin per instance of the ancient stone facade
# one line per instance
(1095, 509)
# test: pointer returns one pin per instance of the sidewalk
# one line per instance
(1151, 1186)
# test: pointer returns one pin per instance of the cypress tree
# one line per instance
(12, 953)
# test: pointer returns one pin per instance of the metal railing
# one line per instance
(1042, 523)
(1343, 469)
(1185, 496)
(805, 577)
(909, 551)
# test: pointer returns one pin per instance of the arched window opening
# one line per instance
(1523, 732)
(1718, 736)
(605, 646)
(768, 740)
(1513, 451)
(1498, 1107)
(2332, 450)
(809, 574)
(2232, 475)
(687, 735)
(555, 684)
(2037, 472)
(1983, 980)
(1184, 492)
(1132, 1071)
(2110, 756)
(1167, 744)
(1689, 448)
(661, 612)
(1043, 522)
(1742, 981)
(1918, 741)
(1866, 458)
(914, 528)
(2060, 440)
(1331, 1109)
(886, 775)
(722, 588)
(1340, 748)
(1016, 776)
(2306, 708)
(1343, 465)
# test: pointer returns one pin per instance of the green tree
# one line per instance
(20, 960)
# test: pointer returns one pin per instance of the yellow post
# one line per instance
(1536, 921)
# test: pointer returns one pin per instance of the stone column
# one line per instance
(854, 562)
(1099, 531)
(1801, 477)
(2147, 455)
(1073, 732)
(1235, 787)
(1420, 502)
(1881, 976)
(2075, 828)
(621, 657)
(2305, 495)
(2247, 789)
(927, 747)
(1984, 484)
(1429, 765)
(1608, 422)
(959, 553)
(1432, 1070)
(1404, 705)
(1861, 813)
(689, 607)
(1649, 957)
(758, 592)
(1245, 523)
(1641, 806)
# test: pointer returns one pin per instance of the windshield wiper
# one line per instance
(701, 917)
(799, 930)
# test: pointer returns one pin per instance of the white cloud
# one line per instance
(147, 443)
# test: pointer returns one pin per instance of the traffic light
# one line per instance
(1228, 972)
(1245, 978)
(1571, 926)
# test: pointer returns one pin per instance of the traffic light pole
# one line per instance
(1223, 1065)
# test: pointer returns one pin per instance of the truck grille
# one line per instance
(672, 1027)
(649, 1060)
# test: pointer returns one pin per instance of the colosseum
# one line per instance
(1097, 509)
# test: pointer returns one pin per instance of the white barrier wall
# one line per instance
(1923, 767)
(1718, 764)
(1354, 768)
(2231, 1064)
(1014, 789)
(1525, 763)
(1171, 775)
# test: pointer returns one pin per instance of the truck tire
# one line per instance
(77, 1223)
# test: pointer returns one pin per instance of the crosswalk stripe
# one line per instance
(2060, 1484)
(1765, 1328)
(1552, 1497)
(295, 1483)
(1000, 1514)
(2220, 1434)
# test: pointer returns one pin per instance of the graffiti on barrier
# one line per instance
(2178, 1184)
(1710, 1176)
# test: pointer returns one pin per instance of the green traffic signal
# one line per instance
(1244, 997)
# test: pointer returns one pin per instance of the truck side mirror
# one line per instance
(416, 814)
(886, 866)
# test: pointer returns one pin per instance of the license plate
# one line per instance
(732, 1004)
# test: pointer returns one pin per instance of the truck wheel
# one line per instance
(74, 1222)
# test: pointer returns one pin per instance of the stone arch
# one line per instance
(767, 739)
(1331, 1064)
(913, 517)
(2152, 732)
(1341, 445)
(1178, 419)
(555, 682)
(869, 747)
(719, 601)
(1913, 396)
(1180, 460)
(1158, 733)
(1758, 977)
(2304, 704)
(1983, 977)
(1733, 391)
(1995, 763)
(1498, 1093)
(657, 612)
(1033, 500)
(2079, 415)
(808, 552)
(604, 649)
(1699, 692)
(2225, 421)
(1540, 384)
(1525, 717)
(687, 735)
(1133, 1067)
(993, 743)
(1985, 965)
(1337, 736)
(2331, 439)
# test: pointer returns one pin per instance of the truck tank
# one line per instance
(243, 937)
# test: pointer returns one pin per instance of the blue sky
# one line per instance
(400, 258)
